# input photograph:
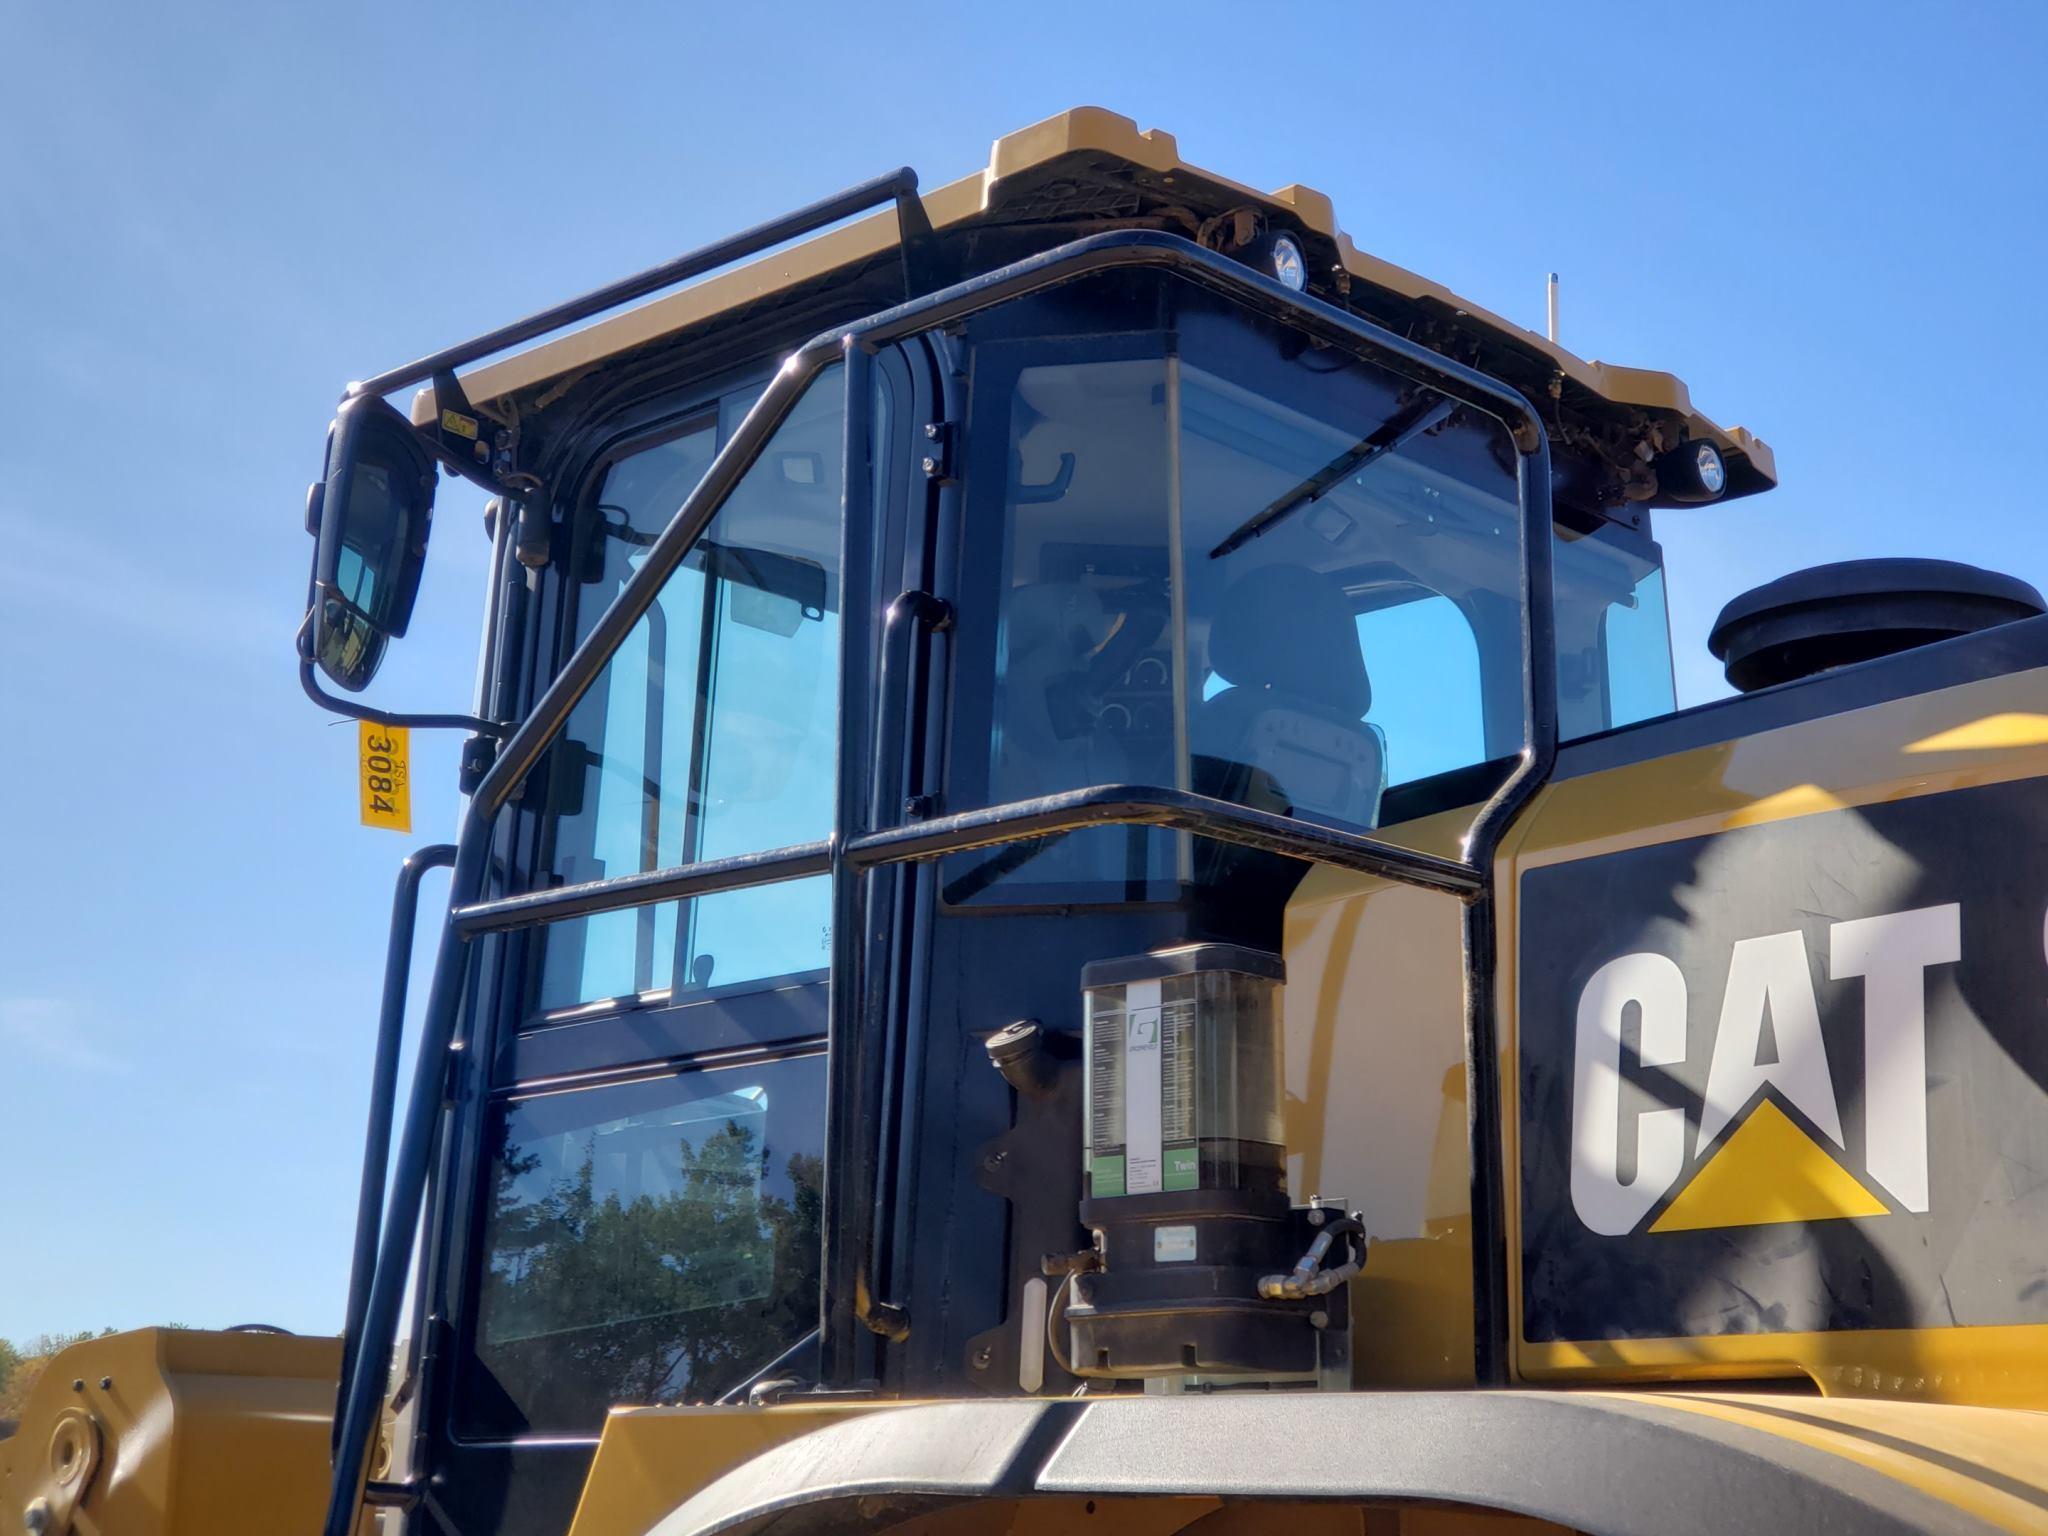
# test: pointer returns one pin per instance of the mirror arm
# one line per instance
(472, 446)
(309, 680)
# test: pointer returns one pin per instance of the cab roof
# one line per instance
(1089, 164)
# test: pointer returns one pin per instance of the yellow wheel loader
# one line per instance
(1083, 906)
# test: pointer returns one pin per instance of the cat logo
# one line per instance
(1743, 1159)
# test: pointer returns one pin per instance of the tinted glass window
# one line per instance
(713, 729)
(1636, 639)
(649, 1242)
(1426, 700)
(1192, 522)
(1613, 639)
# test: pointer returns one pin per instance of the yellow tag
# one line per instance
(459, 424)
(384, 775)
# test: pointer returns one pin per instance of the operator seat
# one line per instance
(1289, 733)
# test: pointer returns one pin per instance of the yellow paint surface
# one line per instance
(1769, 1170)
(2012, 729)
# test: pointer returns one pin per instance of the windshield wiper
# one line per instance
(1392, 435)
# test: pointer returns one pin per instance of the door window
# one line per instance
(713, 729)
(648, 1242)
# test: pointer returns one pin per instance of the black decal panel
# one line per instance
(1977, 1254)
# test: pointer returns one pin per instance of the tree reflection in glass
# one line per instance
(647, 1242)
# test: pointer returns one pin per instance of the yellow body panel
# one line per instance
(186, 1434)
(1374, 1003)
(1988, 1462)
(1949, 739)
(1083, 131)
(650, 1459)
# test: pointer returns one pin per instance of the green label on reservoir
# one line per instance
(1106, 1176)
(1183, 1168)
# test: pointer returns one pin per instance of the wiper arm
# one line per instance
(1394, 434)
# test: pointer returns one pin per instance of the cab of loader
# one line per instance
(996, 732)
(867, 953)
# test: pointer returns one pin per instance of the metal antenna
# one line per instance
(1551, 294)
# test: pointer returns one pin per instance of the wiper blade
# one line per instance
(1394, 434)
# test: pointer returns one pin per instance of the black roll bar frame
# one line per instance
(915, 240)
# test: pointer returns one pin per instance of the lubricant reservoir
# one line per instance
(1183, 1085)
(1184, 1168)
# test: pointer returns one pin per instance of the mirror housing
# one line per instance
(369, 516)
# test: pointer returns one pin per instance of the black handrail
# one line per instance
(364, 1388)
(1134, 805)
(898, 186)
(405, 903)
(1485, 1142)
(678, 882)
(913, 229)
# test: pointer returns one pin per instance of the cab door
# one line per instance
(636, 1181)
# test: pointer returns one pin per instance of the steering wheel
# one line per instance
(1074, 700)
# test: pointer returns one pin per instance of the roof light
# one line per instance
(1289, 265)
(1690, 472)
(1713, 474)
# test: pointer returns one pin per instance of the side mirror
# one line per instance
(370, 517)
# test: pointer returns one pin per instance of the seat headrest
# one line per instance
(1291, 630)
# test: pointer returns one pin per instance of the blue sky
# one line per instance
(1827, 219)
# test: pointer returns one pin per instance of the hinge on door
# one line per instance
(940, 438)
(451, 1085)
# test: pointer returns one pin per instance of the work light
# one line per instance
(1691, 472)
(1288, 263)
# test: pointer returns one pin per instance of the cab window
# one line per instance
(648, 1242)
(1220, 561)
(1613, 636)
(1635, 644)
(1428, 709)
(712, 732)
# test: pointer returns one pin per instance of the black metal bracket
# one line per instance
(472, 445)
(917, 241)
(478, 753)
(462, 432)
(309, 680)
